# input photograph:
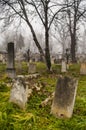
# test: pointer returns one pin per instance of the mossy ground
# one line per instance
(36, 117)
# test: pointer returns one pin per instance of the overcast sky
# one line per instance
(26, 31)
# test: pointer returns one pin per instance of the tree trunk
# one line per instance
(73, 48)
(47, 51)
(32, 31)
(35, 40)
(46, 57)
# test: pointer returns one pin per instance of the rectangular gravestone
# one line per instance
(67, 66)
(10, 60)
(32, 68)
(83, 69)
(64, 98)
(63, 67)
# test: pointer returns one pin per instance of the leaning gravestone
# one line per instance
(63, 67)
(64, 97)
(10, 60)
(83, 69)
(18, 93)
(32, 68)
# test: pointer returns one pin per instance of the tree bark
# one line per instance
(73, 48)
(47, 51)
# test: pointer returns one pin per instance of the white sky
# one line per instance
(26, 31)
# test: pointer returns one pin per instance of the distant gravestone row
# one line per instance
(31, 67)
(11, 62)
(65, 67)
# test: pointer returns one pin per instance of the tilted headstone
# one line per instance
(32, 68)
(83, 69)
(64, 98)
(10, 60)
(19, 93)
(63, 67)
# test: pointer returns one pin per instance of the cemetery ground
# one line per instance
(36, 116)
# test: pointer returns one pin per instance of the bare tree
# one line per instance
(47, 10)
(74, 15)
(18, 8)
(62, 33)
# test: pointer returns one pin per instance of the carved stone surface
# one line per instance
(32, 68)
(63, 102)
(67, 66)
(10, 61)
(18, 93)
(83, 69)
(63, 67)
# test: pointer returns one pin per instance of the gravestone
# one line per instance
(63, 67)
(67, 66)
(52, 60)
(64, 98)
(83, 69)
(19, 93)
(10, 60)
(32, 68)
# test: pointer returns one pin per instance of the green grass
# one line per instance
(36, 117)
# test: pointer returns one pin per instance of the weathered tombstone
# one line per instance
(64, 66)
(67, 66)
(32, 68)
(83, 69)
(52, 60)
(10, 60)
(64, 98)
(19, 93)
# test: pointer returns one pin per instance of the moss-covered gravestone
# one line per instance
(83, 69)
(64, 98)
(19, 93)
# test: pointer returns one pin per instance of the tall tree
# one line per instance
(62, 34)
(74, 14)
